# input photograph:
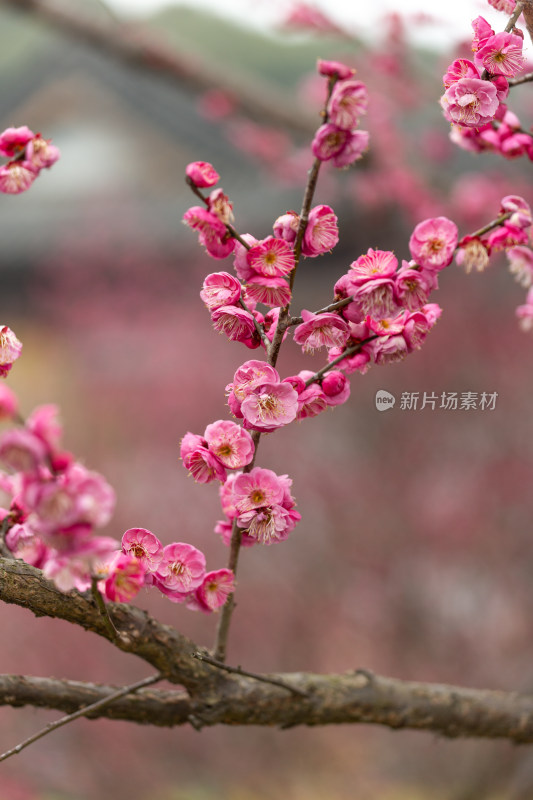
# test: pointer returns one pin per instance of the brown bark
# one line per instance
(159, 645)
(214, 697)
(357, 697)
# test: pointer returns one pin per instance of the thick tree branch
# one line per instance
(132, 44)
(357, 697)
(94, 707)
(159, 645)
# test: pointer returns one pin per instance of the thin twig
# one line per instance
(82, 712)
(521, 79)
(99, 600)
(513, 19)
(239, 671)
(345, 354)
(221, 639)
(489, 227)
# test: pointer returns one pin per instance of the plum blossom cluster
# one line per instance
(476, 92)
(178, 570)
(224, 445)
(56, 507)
(56, 503)
(386, 314)
(512, 236)
(29, 153)
(338, 140)
(261, 504)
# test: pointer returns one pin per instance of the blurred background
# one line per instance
(414, 556)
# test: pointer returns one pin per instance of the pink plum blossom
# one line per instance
(251, 374)
(17, 177)
(269, 406)
(212, 232)
(389, 349)
(25, 544)
(507, 6)
(219, 247)
(267, 524)
(272, 258)
(145, 546)
(311, 401)
(433, 242)
(182, 568)
(521, 264)
(413, 286)
(270, 324)
(334, 69)
(230, 443)
(257, 489)
(375, 263)
(375, 296)
(356, 362)
(125, 578)
(13, 141)
(470, 102)
(307, 17)
(21, 450)
(521, 211)
(341, 146)
(269, 291)
(458, 69)
(417, 324)
(215, 589)
(505, 236)
(237, 324)
(240, 257)
(501, 54)
(482, 31)
(286, 226)
(472, 254)
(220, 206)
(220, 289)
(190, 442)
(73, 570)
(10, 349)
(204, 466)
(336, 388)
(322, 233)
(226, 495)
(75, 497)
(44, 423)
(321, 330)
(348, 101)
(41, 153)
(225, 529)
(525, 313)
(202, 174)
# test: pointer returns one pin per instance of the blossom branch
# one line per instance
(96, 706)
(159, 645)
(99, 600)
(221, 640)
(513, 19)
(358, 697)
(521, 79)
(350, 351)
(309, 192)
